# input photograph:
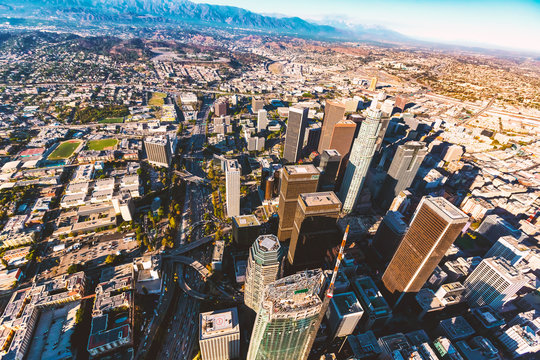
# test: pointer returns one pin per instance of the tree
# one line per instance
(110, 259)
(73, 268)
(172, 223)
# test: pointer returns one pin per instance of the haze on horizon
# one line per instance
(496, 24)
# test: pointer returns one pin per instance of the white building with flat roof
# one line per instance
(219, 334)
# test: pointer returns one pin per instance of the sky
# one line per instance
(510, 24)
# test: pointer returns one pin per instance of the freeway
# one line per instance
(191, 262)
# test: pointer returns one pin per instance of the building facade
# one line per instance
(232, 187)
(314, 229)
(402, 171)
(295, 180)
(333, 113)
(435, 225)
(493, 282)
(285, 323)
(294, 138)
(360, 158)
(158, 151)
(263, 267)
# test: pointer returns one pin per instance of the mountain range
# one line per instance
(152, 12)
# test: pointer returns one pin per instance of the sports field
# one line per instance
(103, 144)
(65, 150)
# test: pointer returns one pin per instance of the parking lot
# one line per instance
(92, 253)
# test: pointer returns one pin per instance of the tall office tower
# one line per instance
(333, 113)
(315, 228)
(220, 107)
(510, 249)
(286, 321)
(493, 282)
(351, 105)
(389, 234)
(295, 180)
(342, 137)
(361, 154)
(373, 84)
(402, 171)
(158, 150)
(401, 102)
(263, 268)
(256, 105)
(262, 120)
(294, 138)
(343, 314)
(245, 229)
(312, 138)
(435, 225)
(329, 165)
(232, 183)
(219, 335)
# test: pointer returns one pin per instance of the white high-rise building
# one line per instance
(262, 120)
(263, 268)
(219, 335)
(493, 282)
(232, 183)
(362, 152)
(509, 248)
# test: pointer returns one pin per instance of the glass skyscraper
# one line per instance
(361, 154)
(287, 318)
(263, 268)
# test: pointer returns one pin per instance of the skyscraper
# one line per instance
(403, 169)
(493, 282)
(373, 84)
(219, 334)
(361, 154)
(286, 321)
(158, 150)
(389, 235)
(329, 165)
(314, 228)
(220, 107)
(342, 137)
(263, 268)
(262, 120)
(232, 183)
(294, 138)
(435, 225)
(256, 105)
(295, 180)
(333, 112)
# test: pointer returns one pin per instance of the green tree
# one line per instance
(73, 268)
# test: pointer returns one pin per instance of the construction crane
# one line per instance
(328, 296)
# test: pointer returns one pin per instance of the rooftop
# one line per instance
(301, 169)
(246, 220)
(218, 323)
(347, 303)
(320, 199)
(268, 242)
(446, 207)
